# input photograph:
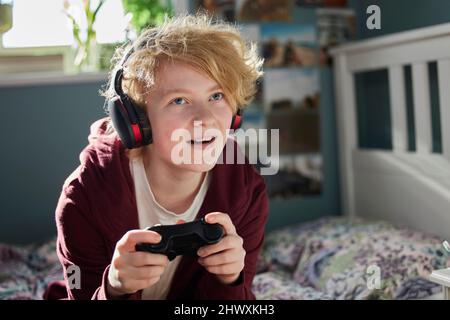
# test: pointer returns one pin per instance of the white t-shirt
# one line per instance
(151, 212)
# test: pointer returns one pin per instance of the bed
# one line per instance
(395, 202)
(334, 258)
(26, 271)
(400, 185)
(325, 259)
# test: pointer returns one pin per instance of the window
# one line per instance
(43, 23)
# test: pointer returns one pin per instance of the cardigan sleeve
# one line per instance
(81, 248)
(251, 228)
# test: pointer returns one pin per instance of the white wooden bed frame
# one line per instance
(404, 187)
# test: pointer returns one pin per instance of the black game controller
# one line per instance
(183, 239)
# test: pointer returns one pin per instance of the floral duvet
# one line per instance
(330, 258)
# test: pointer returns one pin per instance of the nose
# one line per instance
(202, 113)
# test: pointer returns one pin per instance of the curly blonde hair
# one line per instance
(215, 48)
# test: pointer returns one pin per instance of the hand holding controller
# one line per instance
(183, 239)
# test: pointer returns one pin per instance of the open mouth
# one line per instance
(204, 141)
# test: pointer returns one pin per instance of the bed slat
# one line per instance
(444, 103)
(422, 108)
(398, 108)
(347, 133)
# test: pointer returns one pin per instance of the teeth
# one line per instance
(202, 141)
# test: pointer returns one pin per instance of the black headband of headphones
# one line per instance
(119, 73)
(130, 121)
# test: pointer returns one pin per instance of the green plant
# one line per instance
(147, 13)
(6, 17)
(83, 30)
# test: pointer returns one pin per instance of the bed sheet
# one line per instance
(322, 259)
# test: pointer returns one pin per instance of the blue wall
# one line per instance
(401, 15)
(43, 130)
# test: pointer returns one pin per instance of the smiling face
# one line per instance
(187, 101)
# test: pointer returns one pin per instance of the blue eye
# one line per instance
(178, 101)
(217, 96)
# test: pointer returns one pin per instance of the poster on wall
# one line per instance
(288, 45)
(221, 9)
(263, 11)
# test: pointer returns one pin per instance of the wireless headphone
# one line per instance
(130, 121)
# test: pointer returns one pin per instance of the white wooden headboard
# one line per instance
(406, 187)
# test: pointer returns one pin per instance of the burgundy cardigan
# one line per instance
(97, 206)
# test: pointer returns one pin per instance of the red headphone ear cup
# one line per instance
(237, 120)
(122, 123)
(130, 123)
(236, 123)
